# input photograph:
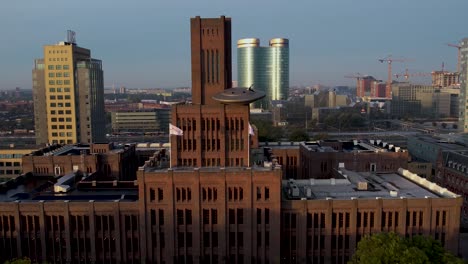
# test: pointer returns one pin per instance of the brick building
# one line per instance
(452, 173)
(319, 159)
(115, 162)
(207, 202)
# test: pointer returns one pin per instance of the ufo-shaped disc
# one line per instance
(238, 95)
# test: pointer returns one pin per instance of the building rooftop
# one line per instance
(456, 160)
(70, 187)
(78, 149)
(359, 146)
(444, 142)
(353, 185)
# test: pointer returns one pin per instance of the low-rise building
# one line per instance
(318, 159)
(11, 161)
(322, 220)
(452, 173)
(149, 120)
(116, 162)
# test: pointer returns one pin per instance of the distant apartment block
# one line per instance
(444, 79)
(68, 95)
(143, 120)
(368, 86)
(11, 162)
(419, 101)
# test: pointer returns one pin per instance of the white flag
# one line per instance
(251, 131)
(173, 130)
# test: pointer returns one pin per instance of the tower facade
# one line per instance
(211, 57)
(264, 68)
(463, 115)
(68, 94)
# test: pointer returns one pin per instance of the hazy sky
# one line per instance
(146, 44)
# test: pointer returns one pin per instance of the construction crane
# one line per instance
(459, 54)
(406, 74)
(389, 60)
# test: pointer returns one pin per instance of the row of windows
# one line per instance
(58, 67)
(59, 97)
(59, 74)
(59, 90)
(62, 134)
(209, 124)
(11, 156)
(60, 104)
(59, 82)
(210, 194)
(63, 141)
(61, 119)
(58, 51)
(58, 59)
(54, 127)
(10, 172)
(60, 112)
(9, 163)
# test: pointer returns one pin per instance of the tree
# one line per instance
(392, 248)
(299, 135)
(267, 132)
(24, 260)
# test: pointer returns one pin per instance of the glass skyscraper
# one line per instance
(264, 68)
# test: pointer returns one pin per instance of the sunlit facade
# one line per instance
(68, 90)
(264, 68)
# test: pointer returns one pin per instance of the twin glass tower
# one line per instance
(264, 68)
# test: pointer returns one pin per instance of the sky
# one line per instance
(146, 43)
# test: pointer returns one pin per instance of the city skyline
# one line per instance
(151, 38)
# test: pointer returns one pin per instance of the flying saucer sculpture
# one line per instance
(238, 95)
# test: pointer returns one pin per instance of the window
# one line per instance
(66, 67)
(51, 82)
(50, 67)
(66, 82)
(58, 67)
(214, 216)
(66, 74)
(232, 216)
(240, 216)
(160, 194)
(52, 90)
(67, 89)
(59, 74)
(51, 74)
(206, 217)
(267, 193)
(188, 217)
(180, 217)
